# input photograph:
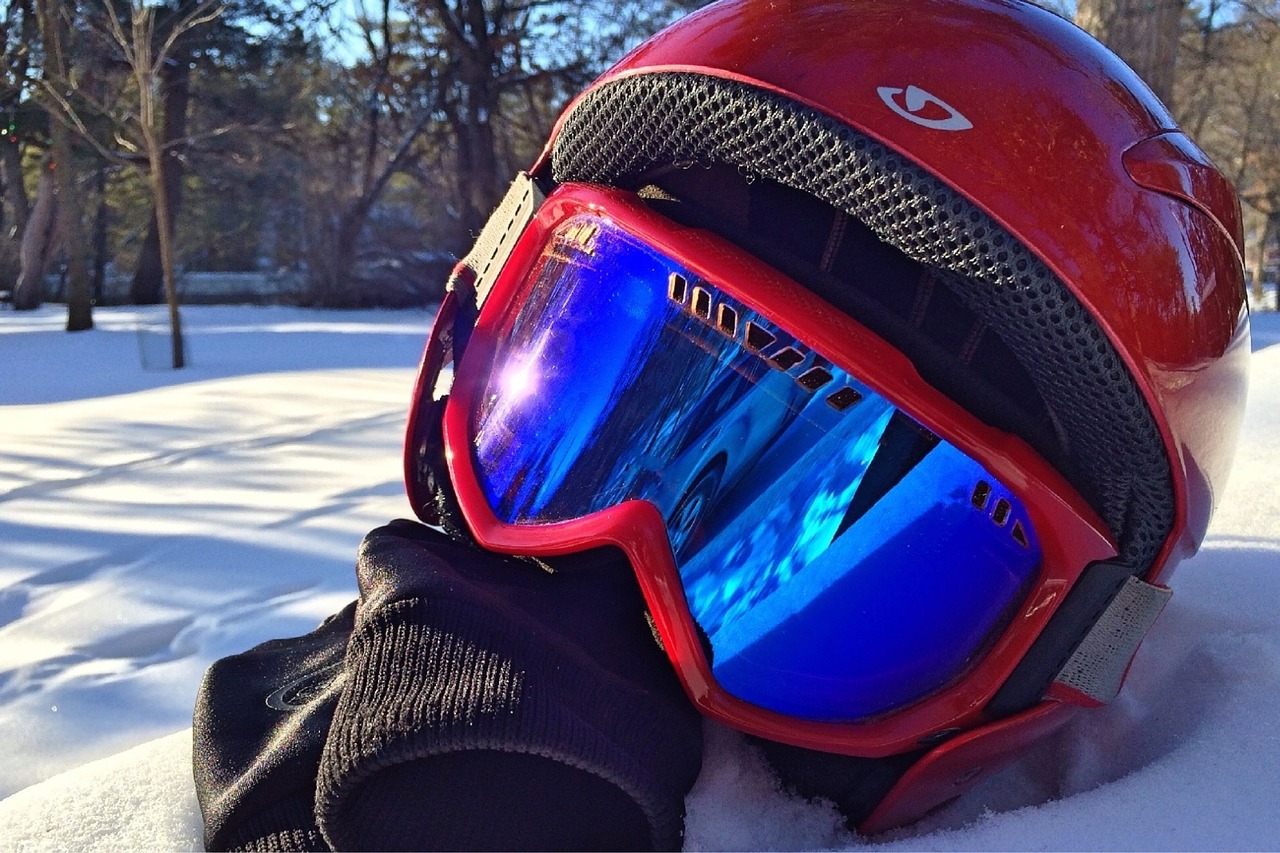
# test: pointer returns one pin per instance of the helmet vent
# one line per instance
(1020, 535)
(1103, 437)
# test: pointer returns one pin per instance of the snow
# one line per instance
(152, 521)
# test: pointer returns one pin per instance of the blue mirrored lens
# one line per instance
(839, 558)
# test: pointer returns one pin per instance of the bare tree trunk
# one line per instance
(166, 260)
(71, 229)
(346, 241)
(33, 255)
(19, 27)
(53, 30)
(16, 210)
(1144, 33)
(471, 37)
(146, 62)
(147, 287)
(1270, 234)
(100, 223)
(478, 152)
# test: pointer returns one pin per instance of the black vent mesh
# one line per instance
(1115, 457)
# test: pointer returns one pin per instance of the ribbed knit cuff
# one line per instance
(288, 825)
(455, 731)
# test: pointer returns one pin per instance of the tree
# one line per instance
(506, 67)
(174, 84)
(1144, 33)
(374, 120)
(58, 86)
(199, 60)
(146, 61)
(1230, 103)
(364, 168)
(453, 96)
(18, 31)
(1257, 154)
(36, 240)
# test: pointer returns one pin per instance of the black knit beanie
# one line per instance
(482, 702)
(491, 704)
(261, 719)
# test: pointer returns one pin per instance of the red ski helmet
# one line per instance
(998, 202)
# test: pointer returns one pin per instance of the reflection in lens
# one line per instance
(519, 380)
(828, 545)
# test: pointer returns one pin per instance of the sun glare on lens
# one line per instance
(519, 380)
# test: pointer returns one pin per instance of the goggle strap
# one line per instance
(1075, 619)
(470, 282)
(472, 278)
(444, 510)
(1096, 669)
(498, 237)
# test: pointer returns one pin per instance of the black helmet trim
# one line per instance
(1107, 445)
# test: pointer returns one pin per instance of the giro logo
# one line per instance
(916, 105)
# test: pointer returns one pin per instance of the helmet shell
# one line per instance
(1062, 144)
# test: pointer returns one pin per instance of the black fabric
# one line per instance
(457, 650)
(468, 701)
(854, 785)
(561, 807)
(261, 718)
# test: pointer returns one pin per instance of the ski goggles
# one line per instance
(834, 554)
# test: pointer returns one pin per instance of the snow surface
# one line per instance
(152, 521)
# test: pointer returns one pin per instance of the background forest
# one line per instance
(340, 152)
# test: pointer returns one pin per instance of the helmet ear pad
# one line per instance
(979, 314)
